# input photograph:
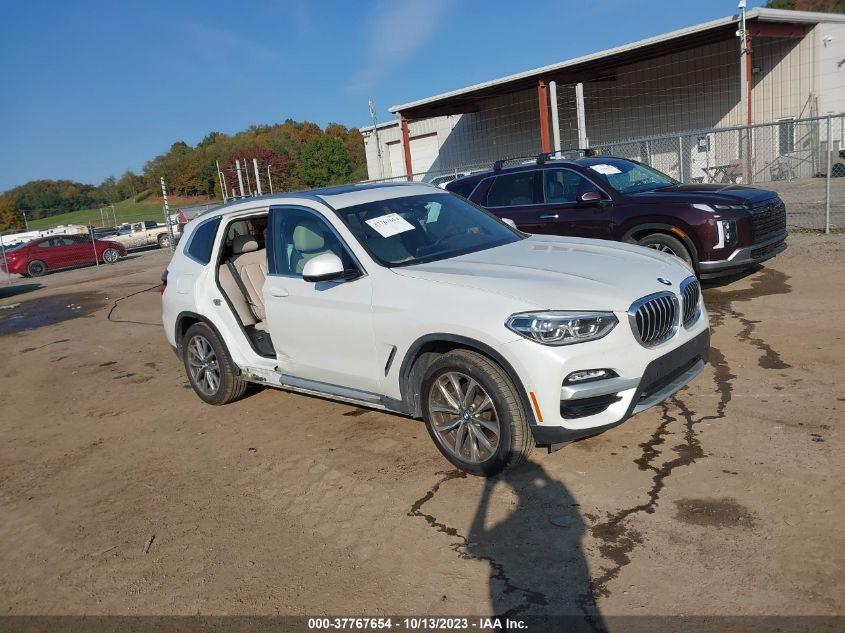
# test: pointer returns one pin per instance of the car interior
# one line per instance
(242, 268)
(241, 272)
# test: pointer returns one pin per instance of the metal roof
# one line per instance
(447, 102)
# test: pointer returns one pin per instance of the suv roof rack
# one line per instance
(542, 157)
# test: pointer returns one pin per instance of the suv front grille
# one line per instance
(654, 318)
(690, 292)
(768, 218)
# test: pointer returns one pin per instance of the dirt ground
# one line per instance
(122, 493)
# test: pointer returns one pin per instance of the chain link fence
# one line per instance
(88, 239)
(803, 160)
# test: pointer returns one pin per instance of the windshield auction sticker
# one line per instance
(607, 170)
(390, 224)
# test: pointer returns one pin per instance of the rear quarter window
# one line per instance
(462, 188)
(516, 189)
(202, 241)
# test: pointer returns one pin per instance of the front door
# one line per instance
(562, 214)
(322, 332)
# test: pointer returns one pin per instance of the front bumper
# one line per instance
(662, 377)
(744, 257)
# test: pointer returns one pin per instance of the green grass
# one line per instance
(125, 211)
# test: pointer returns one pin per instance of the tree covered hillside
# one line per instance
(299, 154)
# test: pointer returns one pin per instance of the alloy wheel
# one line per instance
(662, 248)
(110, 256)
(203, 365)
(463, 417)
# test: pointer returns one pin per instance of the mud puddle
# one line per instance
(38, 313)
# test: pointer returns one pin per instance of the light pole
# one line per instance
(25, 223)
(113, 215)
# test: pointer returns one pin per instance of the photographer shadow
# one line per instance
(538, 570)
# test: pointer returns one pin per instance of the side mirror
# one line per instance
(591, 198)
(323, 267)
(509, 222)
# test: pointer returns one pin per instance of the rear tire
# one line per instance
(474, 415)
(209, 366)
(36, 268)
(666, 244)
(164, 241)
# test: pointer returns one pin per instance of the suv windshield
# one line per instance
(416, 229)
(628, 177)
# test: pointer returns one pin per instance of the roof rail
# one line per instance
(542, 157)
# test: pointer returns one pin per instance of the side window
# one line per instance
(45, 243)
(202, 240)
(565, 185)
(463, 189)
(138, 227)
(512, 190)
(299, 236)
(151, 224)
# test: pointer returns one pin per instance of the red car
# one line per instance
(36, 257)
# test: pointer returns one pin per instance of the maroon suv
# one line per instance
(718, 229)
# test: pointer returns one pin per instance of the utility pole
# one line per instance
(220, 180)
(269, 180)
(374, 118)
(257, 177)
(240, 177)
(25, 223)
(246, 173)
(167, 215)
(113, 214)
(745, 86)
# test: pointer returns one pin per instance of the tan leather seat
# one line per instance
(308, 242)
(250, 264)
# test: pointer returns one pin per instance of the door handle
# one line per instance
(549, 216)
(279, 292)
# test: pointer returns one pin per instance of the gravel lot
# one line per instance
(122, 493)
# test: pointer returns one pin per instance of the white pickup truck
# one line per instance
(141, 234)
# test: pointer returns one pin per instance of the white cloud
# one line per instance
(397, 29)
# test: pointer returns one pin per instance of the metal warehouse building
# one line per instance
(662, 100)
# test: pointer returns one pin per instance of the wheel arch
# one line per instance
(635, 233)
(185, 320)
(425, 349)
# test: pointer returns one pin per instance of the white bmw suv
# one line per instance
(410, 299)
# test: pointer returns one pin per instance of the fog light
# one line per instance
(588, 375)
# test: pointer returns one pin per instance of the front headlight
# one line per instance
(562, 328)
(725, 233)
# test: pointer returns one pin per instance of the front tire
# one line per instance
(209, 367)
(110, 256)
(666, 244)
(36, 268)
(473, 414)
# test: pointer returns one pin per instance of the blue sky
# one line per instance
(94, 88)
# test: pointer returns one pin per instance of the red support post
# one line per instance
(406, 144)
(748, 81)
(543, 104)
(749, 105)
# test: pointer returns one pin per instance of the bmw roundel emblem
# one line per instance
(664, 281)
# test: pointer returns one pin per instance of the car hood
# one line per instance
(704, 194)
(560, 273)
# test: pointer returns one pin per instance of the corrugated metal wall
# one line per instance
(697, 89)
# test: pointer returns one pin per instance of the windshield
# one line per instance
(628, 177)
(424, 228)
